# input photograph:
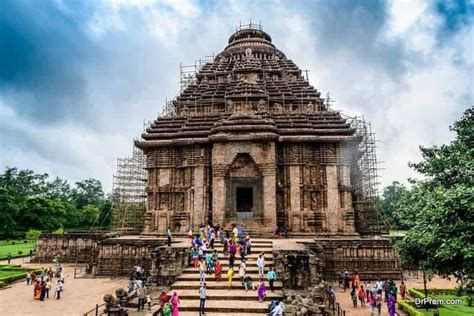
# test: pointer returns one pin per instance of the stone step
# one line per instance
(254, 254)
(222, 314)
(222, 284)
(210, 277)
(225, 294)
(251, 269)
(230, 306)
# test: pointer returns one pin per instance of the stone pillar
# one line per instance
(348, 209)
(199, 212)
(295, 198)
(218, 194)
(269, 196)
(333, 218)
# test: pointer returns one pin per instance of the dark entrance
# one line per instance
(244, 199)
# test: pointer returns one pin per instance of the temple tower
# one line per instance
(251, 142)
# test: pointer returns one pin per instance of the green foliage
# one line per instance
(33, 234)
(416, 293)
(392, 196)
(33, 201)
(440, 208)
(59, 231)
(408, 308)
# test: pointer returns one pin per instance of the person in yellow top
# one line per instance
(235, 232)
(230, 275)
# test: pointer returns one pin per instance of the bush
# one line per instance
(439, 291)
(20, 252)
(33, 234)
(416, 293)
(13, 242)
(25, 241)
(59, 231)
(408, 308)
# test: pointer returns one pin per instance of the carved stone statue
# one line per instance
(185, 110)
(278, 107)
(230, 106)
(310, 107)
(262, 105)
(248, 52)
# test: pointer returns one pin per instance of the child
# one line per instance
(148, 301)
(354, 297)
(362, 296)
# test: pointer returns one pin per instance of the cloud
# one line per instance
(78, 78)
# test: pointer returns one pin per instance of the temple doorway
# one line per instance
(244, 199)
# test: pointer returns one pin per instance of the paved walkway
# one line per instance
(345, 301)
(79, 296)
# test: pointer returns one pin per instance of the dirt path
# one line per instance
(79, 296)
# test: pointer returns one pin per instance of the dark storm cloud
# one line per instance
(41, 52)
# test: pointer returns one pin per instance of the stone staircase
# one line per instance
(220, 300)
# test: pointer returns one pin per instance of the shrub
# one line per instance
(20, 252)
(59, 231)
(25, 241)
(416, 293)
(33, 234)
(13, 242)
(408, 308)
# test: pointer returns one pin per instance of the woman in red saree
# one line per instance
(37, 291)
(218, 270)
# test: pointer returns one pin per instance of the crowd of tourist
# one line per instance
(44, 282)
(368, 294)
(235, 244)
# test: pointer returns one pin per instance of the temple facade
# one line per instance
(251, 143)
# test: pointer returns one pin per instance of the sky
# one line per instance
(78, 78)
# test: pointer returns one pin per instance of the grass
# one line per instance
(7, 247)
(9, 274)
(451, 310)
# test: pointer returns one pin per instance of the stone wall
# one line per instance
(68, 248)
(169, 262)
(372, 258)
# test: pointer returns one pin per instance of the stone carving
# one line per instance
(262, 105)
(185, 110)
(310, 107)
(230, 106)
(110, 302)
(248, 52)
(278, 107)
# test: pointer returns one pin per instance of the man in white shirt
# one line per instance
(261, 266)
(202, 298)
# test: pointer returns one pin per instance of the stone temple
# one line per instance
(251, 143)
(247, 142)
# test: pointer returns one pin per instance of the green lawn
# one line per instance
(451, 310)
(20, 245)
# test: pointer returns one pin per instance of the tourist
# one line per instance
(286, 233)
(141, 297)
(168, 235)
(371, 302)
(37, 290)
(59, 288)
(148, 301)
(248, 283)
(242, 268)
(232, 249)
(167, 309)
(403, 290)
(261, 291)
(379, 285)
(354, 297)
(378, 301)
(231, 261)
(202, 298)
(271, 276)
(230, 275)
(218, 270)
(9, 257)
(195, 256)
(235, 232)
(387, 289)
(261, 266)
(356, 281)
(346, 280)
(208, 263)
(331, 298)
(248, 245)
(391, 305)
(42, 274)
(175, 304)
(226, 247)
(394, 291)
(28, 278)
(48, 287)
(277, 233)
(368, 288)
(31, 253)
(202, 271)
(164, 298)
(222, 236)
(215, 257)
(361, 296)
(190, 236)
(278, 309)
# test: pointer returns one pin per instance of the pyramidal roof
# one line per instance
(251, 79)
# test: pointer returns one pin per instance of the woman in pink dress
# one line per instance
(175, 304)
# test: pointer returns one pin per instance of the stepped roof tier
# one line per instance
(250, 87)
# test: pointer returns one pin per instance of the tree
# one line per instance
(392, 196)
(440, 208)
(42, 213)
(8, 212)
